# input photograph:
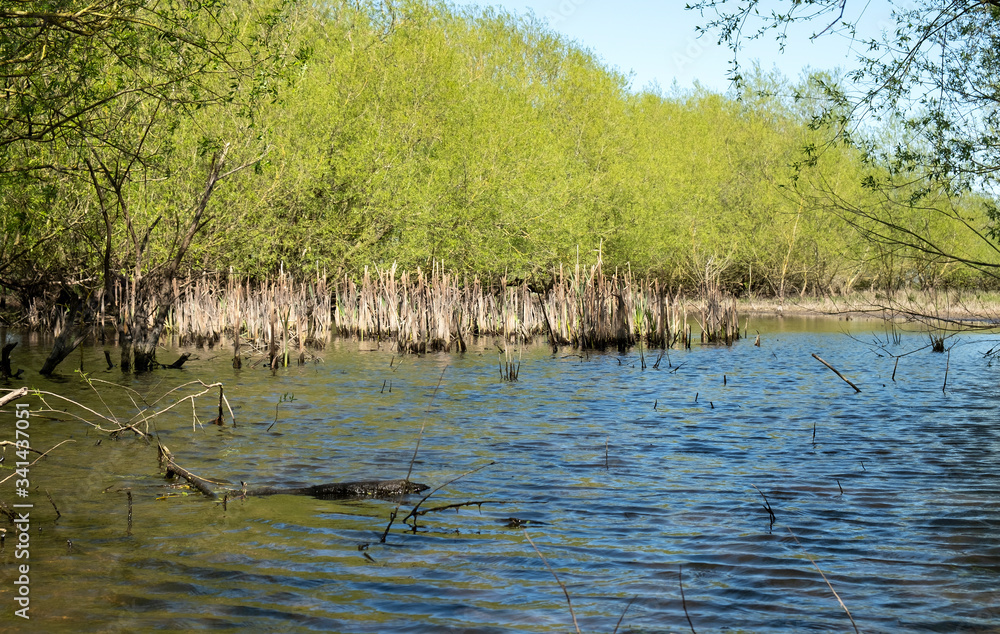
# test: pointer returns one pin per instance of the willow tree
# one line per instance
(932, 78)
(92, 95)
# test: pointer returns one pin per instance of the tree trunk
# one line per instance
(66, 342)
(145, 339)
(5, 371)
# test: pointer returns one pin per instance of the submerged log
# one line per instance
(380, 489)
(348, 490)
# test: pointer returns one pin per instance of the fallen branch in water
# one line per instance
(52, 448)
(13, 395)
(140, 419)
(198, 482)
(11, 443)
(856, 388)
(457, 505)
(413, 511)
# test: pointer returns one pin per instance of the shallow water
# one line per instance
(632, 483)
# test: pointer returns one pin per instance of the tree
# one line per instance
(92, 97)
(933, 80)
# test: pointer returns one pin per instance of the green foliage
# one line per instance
(418, 134)
(922, 111)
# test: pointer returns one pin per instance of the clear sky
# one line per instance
(657, 42)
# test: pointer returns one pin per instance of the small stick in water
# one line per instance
(680, 581)
(561, 584)
(53, 502)
(622, 617)
(129, 495)
(946, 366)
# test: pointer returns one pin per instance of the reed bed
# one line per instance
(280, 314)
(436, 310)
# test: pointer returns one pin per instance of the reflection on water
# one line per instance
(629, 480)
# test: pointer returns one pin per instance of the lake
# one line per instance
(634, 484)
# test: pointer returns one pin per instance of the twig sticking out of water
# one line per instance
(508, 368)
(767, 505)
(285, 398)
(409, 470)
(856, 388)
(53, 503)
(622, 617)
(894, 366)
(561, 584)
(813, 562)
(680, 581)
(946, 366)
(128, 495)
(219, 420)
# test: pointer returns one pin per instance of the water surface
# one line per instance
(631, 482)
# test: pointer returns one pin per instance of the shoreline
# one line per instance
(956, 307)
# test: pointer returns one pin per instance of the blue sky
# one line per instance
(657, 41)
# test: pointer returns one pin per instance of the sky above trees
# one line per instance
(658, 42)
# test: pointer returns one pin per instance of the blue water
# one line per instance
(632, 483)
